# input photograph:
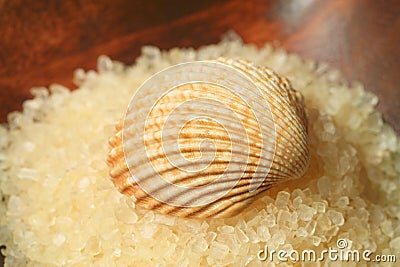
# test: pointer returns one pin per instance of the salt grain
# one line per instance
(395, 243)
(319, 206)
(263, 233)
(316, 240)
(301, 232)
(279, 238)
(387, 228)
(270, 220)
(210, 237)
(282, 199)
(305, 212)
(29, 174)
(310, 227)
(336, 217)
(84, 182)
(284, 218)
(218, 251)
(198, 245)
(104, 64)
(252, 235)
(342, 202)
(163, 219)
(59, 239)
(92, 246)
(227, 229)
(324, 186)
(126, 215)
(241, 235)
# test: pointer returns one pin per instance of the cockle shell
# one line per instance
(204, 139)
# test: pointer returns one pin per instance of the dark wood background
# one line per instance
(42, 42)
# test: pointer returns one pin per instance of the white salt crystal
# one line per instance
(319, 206)
(77, 241)
(198, 245)
(148, 217)
(341, 202)
(14, 206)
(184, 262)
(226, 229)
(354, 121)
(336, 217)
(218, 250)
(297, 201)
(316, 240)
(282, 199)
(151, 52)
(27, 173)
(241, 235)
(117, 252)
(395, 243)
(84, 182)
(329, 127)
(387, 228)
(126, 215)
(283, 218)
(204, 226)
(59, 239)
(370, 245)
(193, 226)
(270, 220)
(301, 232)
(248, 259)
(324, 185)
(347, 183)
(271, 209)
(362, 214)
(298, 193)
(149, 230)
(39, 92)
(210, 237)
(307, 192)
(104, 64)
(164, 219)
(305, 212)
(254, 221)
(263, 233)
(332, 232)
(93, 246)
(4, 165)
(29, 146)
(252, 235)
(310, 227)
(231, 241)
(278, 237)
(79, 76)
(389, 186)
(59, 89)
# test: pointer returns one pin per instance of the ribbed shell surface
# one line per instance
(221, 154)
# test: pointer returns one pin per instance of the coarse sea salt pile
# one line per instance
(59, 207)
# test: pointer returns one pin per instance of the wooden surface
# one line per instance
(42, 42)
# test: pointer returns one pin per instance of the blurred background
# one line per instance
(42, 42)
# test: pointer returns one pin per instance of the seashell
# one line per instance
(206, 138)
